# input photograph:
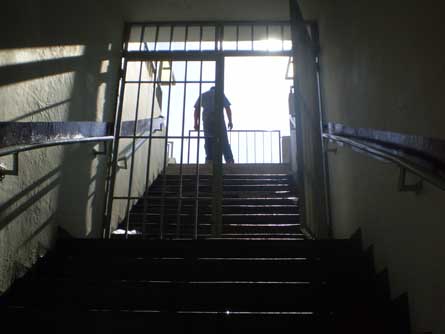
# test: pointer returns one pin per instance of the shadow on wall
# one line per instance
(83, 175)
(51, 181)
(80, 196)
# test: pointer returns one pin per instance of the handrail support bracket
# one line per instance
(14, 171)
(404, 187)
(97, 151)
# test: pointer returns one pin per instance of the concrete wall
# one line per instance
(58, 62)
(383, 67)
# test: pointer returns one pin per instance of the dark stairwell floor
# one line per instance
(254, 279)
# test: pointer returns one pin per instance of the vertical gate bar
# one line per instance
(196, 216)
(178, 217)
(185, 38)
(188, 148)
(115, 155)
(181, 171)
(156, 38)
(156, 69)
(150, 140)
(279, 146)
(238, 147)
(325, 160)
(172, 27)
(247, 147)
(217, 157)
(271, 146)
(221, 36)
(200, 37)
(296, 18)
(237, 37)
(252, 35)
(264, 160)
(133, 144)
(282, 37)
(112, 172)
(216, 37)
(164, 170)
(254, 146)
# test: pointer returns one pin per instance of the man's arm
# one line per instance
(229, 117)
(197, 117)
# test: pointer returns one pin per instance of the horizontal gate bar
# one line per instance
(199, 55)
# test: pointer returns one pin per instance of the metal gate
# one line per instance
(166, 66)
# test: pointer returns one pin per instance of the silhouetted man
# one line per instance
(210, 120)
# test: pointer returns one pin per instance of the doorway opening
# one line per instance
(167, 67)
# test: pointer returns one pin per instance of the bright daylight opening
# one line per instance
(258, 91)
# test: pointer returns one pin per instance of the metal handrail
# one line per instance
(22, 148)
(14, 150)
(380, 153)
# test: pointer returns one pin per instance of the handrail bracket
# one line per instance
(404, 187)
(14, 171)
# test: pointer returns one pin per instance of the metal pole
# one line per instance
(264, 160)
(178, 217)
(147, 176)
(164, 172)
(217, 158)
(252, 34)
(325, 160)
(188, 147)
(237, 37)
(254, 146)
(133, 145)
(279, 146)
(296, 19)
(271, 147)
(247, 147)
(196, 218)
(282, 37)
(238, 147)
(115, 156)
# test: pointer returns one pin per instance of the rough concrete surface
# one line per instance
(57, 63)
(382, 67)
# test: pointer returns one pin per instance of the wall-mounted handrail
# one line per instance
(22, 148)
(387, 154)
(18, 137)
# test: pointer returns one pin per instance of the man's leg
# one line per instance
(226, 149)
(208, 142)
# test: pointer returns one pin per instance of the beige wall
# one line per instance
(382, 67)
(57, 63)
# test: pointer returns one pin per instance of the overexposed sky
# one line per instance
(258, 91)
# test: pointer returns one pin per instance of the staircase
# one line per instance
(259, 202)
(247, 281)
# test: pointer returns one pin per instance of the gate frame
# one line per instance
(218, 55)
